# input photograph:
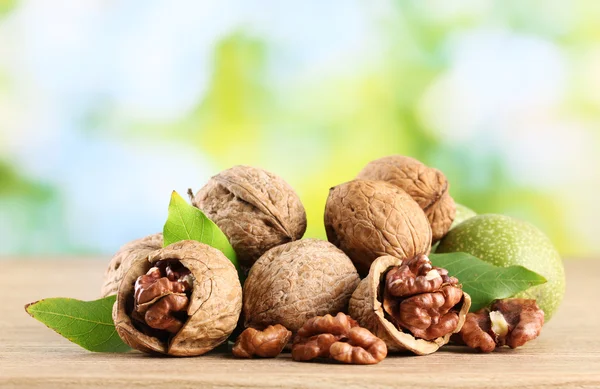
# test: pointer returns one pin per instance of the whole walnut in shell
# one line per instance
(182, 300)
(410, 305)
(122, 260)
(296, 281)
(368, 219)
(255, 209)
(427, 186)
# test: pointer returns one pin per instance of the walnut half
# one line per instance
(266, 344)
(340, 338)
(511, 322)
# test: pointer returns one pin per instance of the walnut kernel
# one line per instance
(267, 343)
(512, 322)
(339, 338)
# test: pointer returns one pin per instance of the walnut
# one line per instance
(368, 219)
(267, 343)
(121, 261)
(255, 209)
(511, 322)
(427, 186)
(420, 298)
(296, 281)
(410, 305)
(338, 338)
(182, 300)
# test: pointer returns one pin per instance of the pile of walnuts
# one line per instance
(369, 290)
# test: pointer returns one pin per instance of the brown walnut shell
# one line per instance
(296, 281)
(426, 185)
(255, 209)
(214, 307)
(366, 306)
(122, 260)
(368, 219)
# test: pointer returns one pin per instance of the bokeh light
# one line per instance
(106, 107)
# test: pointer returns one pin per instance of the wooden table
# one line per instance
(567, 354)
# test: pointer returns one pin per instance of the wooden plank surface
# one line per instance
(567, 354)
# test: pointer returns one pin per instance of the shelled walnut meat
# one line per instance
(511, 322)
(427, 186)
(255, 209)
(368, 219)
(182, 300)
(337, 337)
(267, 343)
(296, 281)
(122, 260)
(411, 305)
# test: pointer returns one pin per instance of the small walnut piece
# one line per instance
(411, 305)
(511, 322)
(267, 343)
(368, 219)
(476, 332)
(338, 338)
(427, 186)
(255, 209)
(122, 260)
(296, 281)
(182, 300)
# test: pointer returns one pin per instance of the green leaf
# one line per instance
(483, 281)
(188, 222)
(86, 323)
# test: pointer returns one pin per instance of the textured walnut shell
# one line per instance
(255, 209)
(293, 282)
(122, 260)
(366, 308)
(368, 219)
(213, 311)
(427, 186)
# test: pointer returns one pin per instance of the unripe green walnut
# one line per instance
(462, 213)
(505, 241)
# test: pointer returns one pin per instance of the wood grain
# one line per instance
(32, 356)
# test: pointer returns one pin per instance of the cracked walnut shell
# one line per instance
(421, 322)
(368, 219)
(182, 300)
(255, 209)
(426, 185)
(122, 260)
(296, 281)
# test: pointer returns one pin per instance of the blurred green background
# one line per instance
(107, 106)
